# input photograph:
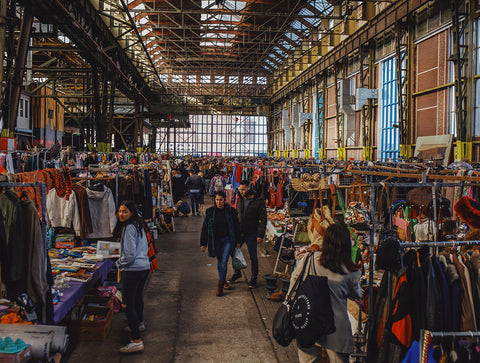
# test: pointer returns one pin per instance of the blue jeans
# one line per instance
(251, 241)
(223, 248)
(195, 201)
(133, 283)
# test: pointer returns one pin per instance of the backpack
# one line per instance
(151, 253)
(218, 185)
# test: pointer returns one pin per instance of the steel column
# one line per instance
(15, 84)
(339, 114)
(367, 57)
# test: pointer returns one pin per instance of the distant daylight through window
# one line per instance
(217, 135)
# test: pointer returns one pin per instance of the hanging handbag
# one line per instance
(356, 215)
(282, 328)
(402, 224)
(312, 313)
(319, 221)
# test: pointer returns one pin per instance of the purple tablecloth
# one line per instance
(77, 290)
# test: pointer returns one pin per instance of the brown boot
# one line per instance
(220, 288)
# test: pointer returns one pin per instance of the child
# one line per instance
(183, 207)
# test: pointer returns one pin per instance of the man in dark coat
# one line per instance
(252, 216)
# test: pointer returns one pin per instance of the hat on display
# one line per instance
(469, 210)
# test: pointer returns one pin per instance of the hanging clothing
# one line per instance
(36, 282)
(63, 212)
(84, 209)
(102, 211)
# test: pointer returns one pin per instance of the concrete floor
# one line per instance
(185, 321)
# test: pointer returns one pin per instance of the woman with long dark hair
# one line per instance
(335, 262)
(135, 266)
(220, 235)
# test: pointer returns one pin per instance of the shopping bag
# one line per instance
(312, 313)
(282, 327)
(238, 260)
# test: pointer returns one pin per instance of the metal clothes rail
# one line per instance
(439, 244)
(426, 337)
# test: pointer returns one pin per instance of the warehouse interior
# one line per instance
(334, 79)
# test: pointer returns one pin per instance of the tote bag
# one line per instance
(312, 313)
(282, 328)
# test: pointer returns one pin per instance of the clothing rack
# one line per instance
(43, 198)
(426, 337)
(438, 244)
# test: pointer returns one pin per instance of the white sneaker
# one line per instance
(132, 347)
(141, 327)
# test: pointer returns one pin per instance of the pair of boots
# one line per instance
(222, 285)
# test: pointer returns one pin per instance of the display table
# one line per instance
(77, 290)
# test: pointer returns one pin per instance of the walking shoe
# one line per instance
(252, 284)
(235, 277)
(226, 286)
(141, 327)
(132, 347)
(220, 285)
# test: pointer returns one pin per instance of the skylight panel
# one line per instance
(247, 80)
(233, 79)
(322, 5)
(219, 79)
(292, 36)
(177, 78)
(191, 78)
(205, 79)
(215, 44)
(261, 80)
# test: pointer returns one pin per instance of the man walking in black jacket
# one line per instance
(195, 185)
(252, 216)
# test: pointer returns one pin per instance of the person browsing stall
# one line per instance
(335, 262)
(252, 216)
(220, 234)
(135, 266)
(195, 185)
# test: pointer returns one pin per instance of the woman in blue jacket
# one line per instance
(220, 235)
(135, 266)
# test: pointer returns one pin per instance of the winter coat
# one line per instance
(207, 236)
(254, 221)
(195, 182)
(62, 212)
(102, 210)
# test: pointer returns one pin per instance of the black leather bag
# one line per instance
(282, 328)
(312, 313)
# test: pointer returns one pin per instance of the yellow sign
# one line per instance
(464, 151)
(341, 153)
(367, 153)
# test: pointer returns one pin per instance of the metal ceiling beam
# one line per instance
(375, 27)
(77, 19)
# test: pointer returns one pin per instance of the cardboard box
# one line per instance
(20, 357)
(98, 301)
(93, 330)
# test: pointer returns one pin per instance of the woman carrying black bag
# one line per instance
(334, 262)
